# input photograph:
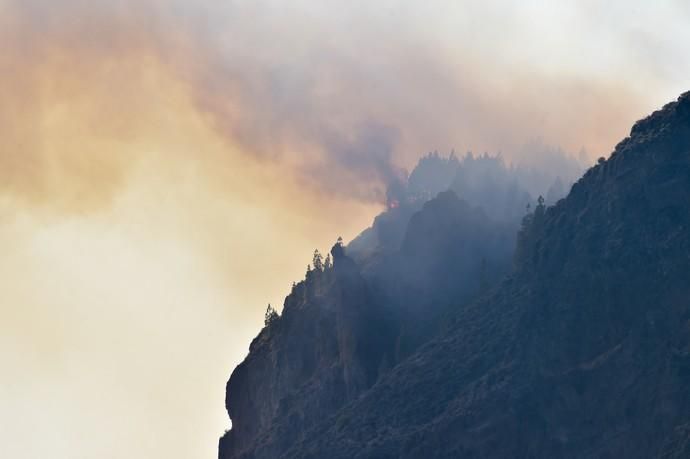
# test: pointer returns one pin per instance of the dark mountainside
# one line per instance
(444, 346)
(344, 326)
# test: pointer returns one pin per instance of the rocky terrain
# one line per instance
(575, 343)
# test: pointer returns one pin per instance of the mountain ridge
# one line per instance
(583, 350)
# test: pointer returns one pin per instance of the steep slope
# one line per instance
(344, 327)
(328, 346)
(584, 351)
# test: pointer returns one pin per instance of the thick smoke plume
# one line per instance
(343, 99)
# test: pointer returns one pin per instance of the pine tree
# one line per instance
(317, 261)
(270, 316)
(539, 210)
(338, 250)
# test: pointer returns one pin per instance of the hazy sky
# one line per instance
(167, 167)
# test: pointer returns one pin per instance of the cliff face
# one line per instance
(344, 327)
(329, 345)
(583, 350)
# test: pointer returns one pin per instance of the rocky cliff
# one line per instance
(329, 346)
(583, 350)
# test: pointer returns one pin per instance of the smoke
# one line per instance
(342, 97)
(366, 156)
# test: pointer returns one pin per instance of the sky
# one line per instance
(168, 167)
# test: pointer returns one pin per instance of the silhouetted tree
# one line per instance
(328, 263)
(270, 316)
(317, 261)
(539, 210)
(337, 251)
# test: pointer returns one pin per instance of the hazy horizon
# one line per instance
(167, 169)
